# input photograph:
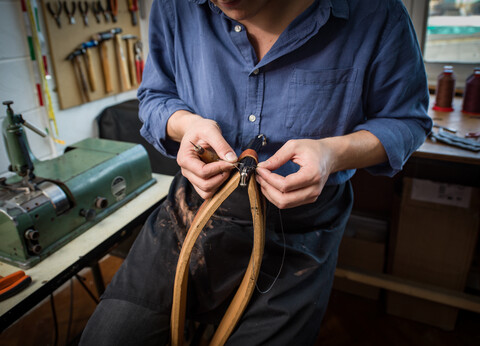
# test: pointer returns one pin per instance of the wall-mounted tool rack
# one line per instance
(64, 35)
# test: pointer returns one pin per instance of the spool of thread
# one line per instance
(445, 90)
(471, 96)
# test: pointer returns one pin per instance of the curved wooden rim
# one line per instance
(247, 286)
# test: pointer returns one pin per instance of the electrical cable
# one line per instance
(70, 314)
(283, 258)
(55, 321)
(86, 289)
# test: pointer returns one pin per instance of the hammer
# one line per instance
(121, 60)
(131, 57)
(82, 81)
(101, 38)
(89, 64)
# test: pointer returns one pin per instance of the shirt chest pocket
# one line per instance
(319, 102)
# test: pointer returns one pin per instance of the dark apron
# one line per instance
(306, 251)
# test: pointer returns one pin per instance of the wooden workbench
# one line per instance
(459, 121)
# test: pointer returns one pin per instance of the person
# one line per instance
(334, 85)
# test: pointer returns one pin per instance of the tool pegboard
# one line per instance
(87, 75)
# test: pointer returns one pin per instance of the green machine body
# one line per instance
(53, 201)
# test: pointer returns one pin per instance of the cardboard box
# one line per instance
(363, 247)
(437, 232)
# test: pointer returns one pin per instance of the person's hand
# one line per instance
(303, 186)
(205, 177)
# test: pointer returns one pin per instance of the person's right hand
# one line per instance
(188, 128)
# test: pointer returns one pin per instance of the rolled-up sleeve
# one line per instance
(396, 96)
(158, 93)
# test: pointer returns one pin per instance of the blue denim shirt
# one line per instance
(341, 66)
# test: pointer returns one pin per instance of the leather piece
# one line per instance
(247, 286)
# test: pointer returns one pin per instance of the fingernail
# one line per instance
(262, 164)
(231, 157)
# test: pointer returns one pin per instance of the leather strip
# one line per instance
(244, 293)
(250, 153)
(247, 286)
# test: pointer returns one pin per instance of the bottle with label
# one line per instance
(471, 94)
(445, 90)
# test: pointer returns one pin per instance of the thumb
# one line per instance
(222, 148)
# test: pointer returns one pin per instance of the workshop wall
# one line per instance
(17, 83)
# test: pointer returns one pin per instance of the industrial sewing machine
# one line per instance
(50, 202)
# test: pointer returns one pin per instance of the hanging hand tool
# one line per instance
(13, 283)
(101, 38)
(88, 62)
(55, 13)
(96, 11)
(247, 163)
(104, 11)
(133, 8)
(131, 58)
(83, 8)
(70, 13)
(139, 60)
(143, 11)
(121, 60)
(74, 57)
(112, 7)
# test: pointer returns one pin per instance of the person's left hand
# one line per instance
(304, 186)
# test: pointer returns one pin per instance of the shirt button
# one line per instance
(252, 118)
(256, 71)
(238, 28)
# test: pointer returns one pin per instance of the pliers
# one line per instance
(96, 10)
(246, 164)
(104, 11)
(69, 13)
(13, 283)
(112, 7)
(55, 13)
(83, 8)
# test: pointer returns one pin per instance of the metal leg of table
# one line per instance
(98, 278)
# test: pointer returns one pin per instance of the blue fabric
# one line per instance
(340, 67)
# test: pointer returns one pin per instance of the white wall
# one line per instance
(17, 84)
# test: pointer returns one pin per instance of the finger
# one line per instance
(189, 159)
(302, 178)
(224, 151)
(209, 185)
(289, 199)
(203, 170)
(282, 156)
(203, 194)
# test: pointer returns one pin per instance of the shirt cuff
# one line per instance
(399, 139)
(155, 129)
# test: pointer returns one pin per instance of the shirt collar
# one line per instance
(339, 7)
